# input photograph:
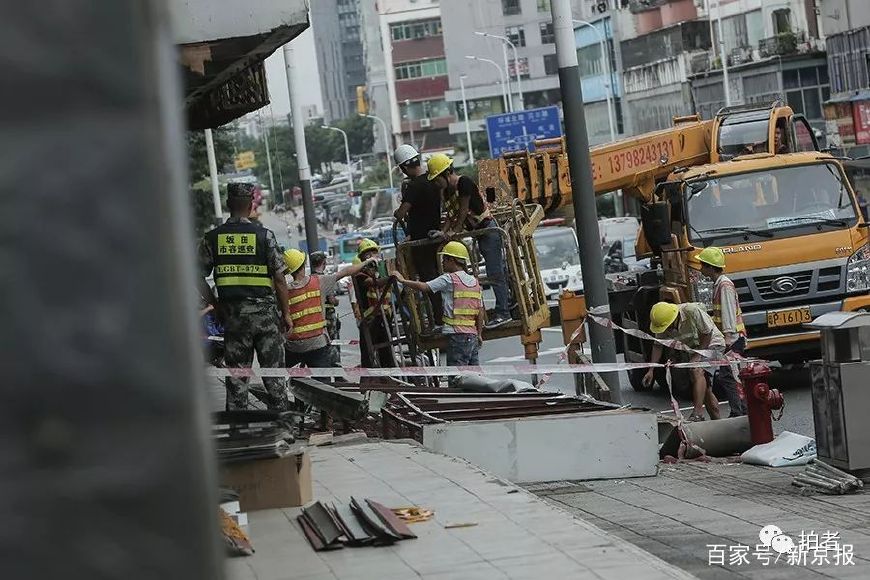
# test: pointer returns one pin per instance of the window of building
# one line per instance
(543, 5)
(806, 89)
(547, 36)
(421, 68)
(510, 7)
(781, 20)
(551, 64)
(481, 108)
(516, 34)
(523, 66)
(429, 109)
(416, 29)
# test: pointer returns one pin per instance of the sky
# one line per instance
(276, 78)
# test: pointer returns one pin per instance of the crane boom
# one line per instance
(633, 165)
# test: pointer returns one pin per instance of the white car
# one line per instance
(559, 261)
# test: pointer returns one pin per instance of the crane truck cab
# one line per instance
(796, 242)
(753, 128)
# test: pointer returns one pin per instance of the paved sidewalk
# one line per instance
(689, 506)
(517, 534)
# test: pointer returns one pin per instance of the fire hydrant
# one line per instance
(760, 401)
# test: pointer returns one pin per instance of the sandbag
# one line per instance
(787, 449)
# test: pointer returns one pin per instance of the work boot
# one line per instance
(496, 321)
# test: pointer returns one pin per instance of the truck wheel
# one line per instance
(635, 377)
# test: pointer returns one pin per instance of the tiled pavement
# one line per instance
(689, 506)
(517, 535)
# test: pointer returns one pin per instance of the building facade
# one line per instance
(338, 41)
(846, 25)
(657, 44)
(377, 93)
(416, 72)
(774, 50)
(528, 25)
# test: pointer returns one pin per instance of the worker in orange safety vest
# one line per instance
(729, 319)
(308, 342)
(462, 303)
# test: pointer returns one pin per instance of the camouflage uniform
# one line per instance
(252, 324)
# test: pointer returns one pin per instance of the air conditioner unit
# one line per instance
(425, 123)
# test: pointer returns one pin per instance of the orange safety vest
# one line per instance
(306, 310)
(466, 306)
(373, 294)
(717, 305)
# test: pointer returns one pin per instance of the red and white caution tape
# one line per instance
(495, 370)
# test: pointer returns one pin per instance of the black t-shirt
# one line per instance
(425, 212)
(467, 188)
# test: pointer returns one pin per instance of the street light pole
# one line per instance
(605, 69)
(346, 153)
(268, 159)
(213, 176)
(501, 75)
(583, 191)
(386, 144)
(506, 40)
(410, 122)
(465, 112)
(311, 236)
(722, 56)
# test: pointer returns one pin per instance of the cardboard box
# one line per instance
(270, 483)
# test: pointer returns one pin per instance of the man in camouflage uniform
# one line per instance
(248, 272)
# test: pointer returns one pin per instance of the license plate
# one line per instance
(790, 317)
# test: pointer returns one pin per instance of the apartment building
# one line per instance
(340, 63)
(846, 26)
(416, 72)
(773, 49)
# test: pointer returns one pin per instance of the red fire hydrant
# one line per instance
(760, 401)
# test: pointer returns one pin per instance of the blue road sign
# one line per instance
(516, 131)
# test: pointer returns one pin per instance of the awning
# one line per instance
(859, 95)
(222, 47)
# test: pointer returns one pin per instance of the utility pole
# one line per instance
(269, 160)
(311, 236)
(465, 113)
(583, 193)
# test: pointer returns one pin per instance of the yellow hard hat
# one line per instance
(455, 250)
(437, 164)
(662, 315)
(713, 256)
(294, 259)
(365, 245)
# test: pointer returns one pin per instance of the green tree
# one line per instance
(360, 135)
(198, 156)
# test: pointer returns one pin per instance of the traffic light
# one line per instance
(362, 105)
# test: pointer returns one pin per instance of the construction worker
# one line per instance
(309, 343)
(467, 210)
(248, 273)
(333, 324)
(420, 210)
(729, 320)
(463, 306)
(690, 324)
(376, 305)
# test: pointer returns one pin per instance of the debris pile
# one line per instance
(359, 523)
(821, 477)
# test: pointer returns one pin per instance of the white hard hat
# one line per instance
(404, 153)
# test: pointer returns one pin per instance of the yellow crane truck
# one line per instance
(751, 181)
